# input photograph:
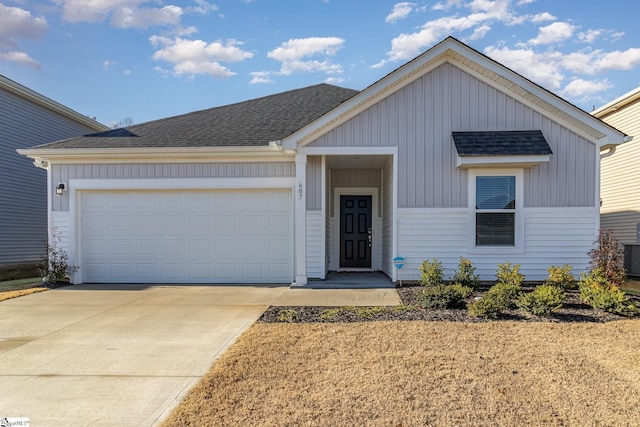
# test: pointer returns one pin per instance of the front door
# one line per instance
(355, 231)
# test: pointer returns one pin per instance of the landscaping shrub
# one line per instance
(287, 315)
(597, 291)
(431, 272)
(54, 267)
(561, 277)
(465, 274)
(608, 255)
(543, 300)
(445, 296)
(509, 274)
(498, 298)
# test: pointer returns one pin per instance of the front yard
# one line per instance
(394, 373)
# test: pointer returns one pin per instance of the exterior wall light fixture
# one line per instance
(60, 189)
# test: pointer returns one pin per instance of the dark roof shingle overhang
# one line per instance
(501, 143)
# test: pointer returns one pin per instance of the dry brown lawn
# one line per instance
(19, 293)
(423, 373)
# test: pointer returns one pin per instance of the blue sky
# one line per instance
(146, 60)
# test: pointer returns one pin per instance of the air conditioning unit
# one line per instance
(632, 259)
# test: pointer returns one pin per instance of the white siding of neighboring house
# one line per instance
(433, 219)
(23, 193)
(620, 177)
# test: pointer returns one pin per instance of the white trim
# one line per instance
(394, 207)
(179, 183)
(300, 221)
(430, 211)
(376, 263)
(467, 162)
(519, 246)
(342, 151)
(323, 211)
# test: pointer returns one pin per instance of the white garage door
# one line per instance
(235, 236)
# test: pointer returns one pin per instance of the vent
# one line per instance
(632, 259)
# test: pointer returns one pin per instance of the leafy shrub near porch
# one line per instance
(54, 267)
(509, 274)
(597, 291)
(543, 301)
(465, 274)
(431, 272)
(445, 296)
(561, 277)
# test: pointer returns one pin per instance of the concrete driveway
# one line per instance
(125, 355)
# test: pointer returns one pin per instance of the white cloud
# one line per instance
(261, 77)
(203, 7)
(19, 58)
(334, 80)
(123, 13)
(107, 64)
(553, 33)
(583, 88)
(598, 61)
(294, 54)
(127, 17)
(543, 17)
(589, 36)
(542, 68)
(400, 11)
(16, 24)
(192, 57)
(521, 2)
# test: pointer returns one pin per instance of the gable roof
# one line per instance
(485, 69)
(501, 143)
(252, 123)
(34, 97)
(617, 104)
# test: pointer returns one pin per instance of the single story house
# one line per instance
(450, 155)
(620, 174)
(28, 118)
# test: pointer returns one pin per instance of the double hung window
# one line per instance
(495, 210)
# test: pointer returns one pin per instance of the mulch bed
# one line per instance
(572, 311)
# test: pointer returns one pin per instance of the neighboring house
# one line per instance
(450, 155)
(28, 118)
(620, 175)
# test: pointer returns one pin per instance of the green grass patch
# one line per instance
(20, 284)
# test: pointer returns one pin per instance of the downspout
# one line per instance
(608, 153)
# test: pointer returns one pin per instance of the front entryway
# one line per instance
(355, 231)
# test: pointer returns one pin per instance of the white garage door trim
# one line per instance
(260, 269)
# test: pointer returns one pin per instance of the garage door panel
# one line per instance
(240, 236)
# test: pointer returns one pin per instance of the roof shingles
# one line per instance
(501, 143)
(245, 124)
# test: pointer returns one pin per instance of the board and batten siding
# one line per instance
(620, 178)
(23, 210)
(553, 236)
(387, 219)
(65, 172)
(419, 119)
(314, 183)
(315, 248)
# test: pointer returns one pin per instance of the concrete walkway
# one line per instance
(126, 355)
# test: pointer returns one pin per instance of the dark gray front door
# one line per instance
(355, 231)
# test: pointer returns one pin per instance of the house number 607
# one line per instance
(299, 191)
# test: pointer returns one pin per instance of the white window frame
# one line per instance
(518, 247)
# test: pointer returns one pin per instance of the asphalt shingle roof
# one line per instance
(501, 143)
(249, 123)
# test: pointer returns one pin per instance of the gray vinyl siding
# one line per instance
(314, 183)
(419, 119)
(23, 193)
(620, 177)
(65, 172)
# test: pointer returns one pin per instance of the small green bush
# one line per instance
(597, 291)
(287, 315)
(465, 274)
(445, 296)
(543, 300)
(509, 274)
(561, 277)
(489, 306)
(608, 255)
(498, 298)
(431, 272)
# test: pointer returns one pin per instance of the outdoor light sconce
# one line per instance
(60, 189)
